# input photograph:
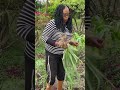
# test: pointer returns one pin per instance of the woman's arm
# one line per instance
(48, 32)
(26, 22)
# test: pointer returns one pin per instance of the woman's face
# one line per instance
(66, 14)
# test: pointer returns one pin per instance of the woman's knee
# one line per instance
(61, 76)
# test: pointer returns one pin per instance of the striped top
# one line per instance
(26, 27)
(87, 22)
(50, 35)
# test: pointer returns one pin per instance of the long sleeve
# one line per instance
(48, 32)
(26, 27)
(50, 35)
(26, 22)
(87, 22)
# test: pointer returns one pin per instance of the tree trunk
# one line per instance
(46, 6)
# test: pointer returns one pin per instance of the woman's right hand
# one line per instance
(95, 42)
(61, 44)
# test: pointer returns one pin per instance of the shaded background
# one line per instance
(11, 47)
(103, 64)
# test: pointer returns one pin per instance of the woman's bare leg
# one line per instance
(59, 85)
(48, 87)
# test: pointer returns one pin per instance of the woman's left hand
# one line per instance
(74, 43)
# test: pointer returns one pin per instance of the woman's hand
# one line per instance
(95, 42)
(61, 44)
(74, 43)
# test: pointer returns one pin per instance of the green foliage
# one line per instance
(13, 84)
(52, 7)
(40, 76)
(38, 5)
(8, 15)
(107, 31)
(11, 53)
(77, 5)
(71, 61)
(12, 57)
(99, 62)
(40, 22)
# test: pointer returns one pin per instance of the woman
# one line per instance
(26, 30)
(61, 24)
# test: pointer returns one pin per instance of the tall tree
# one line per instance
(46, 6)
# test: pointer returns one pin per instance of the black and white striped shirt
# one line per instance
(50, 35)
(87, 22)
(26, 27)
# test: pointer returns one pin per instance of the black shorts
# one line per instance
(54, 67)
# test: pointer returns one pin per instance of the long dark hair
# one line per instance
(58, 16)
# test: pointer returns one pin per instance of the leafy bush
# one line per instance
(99, 63)
(72, 61)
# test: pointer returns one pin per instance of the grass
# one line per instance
(12, 67)
(13, 84)
(14, 55)
(40, 48)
